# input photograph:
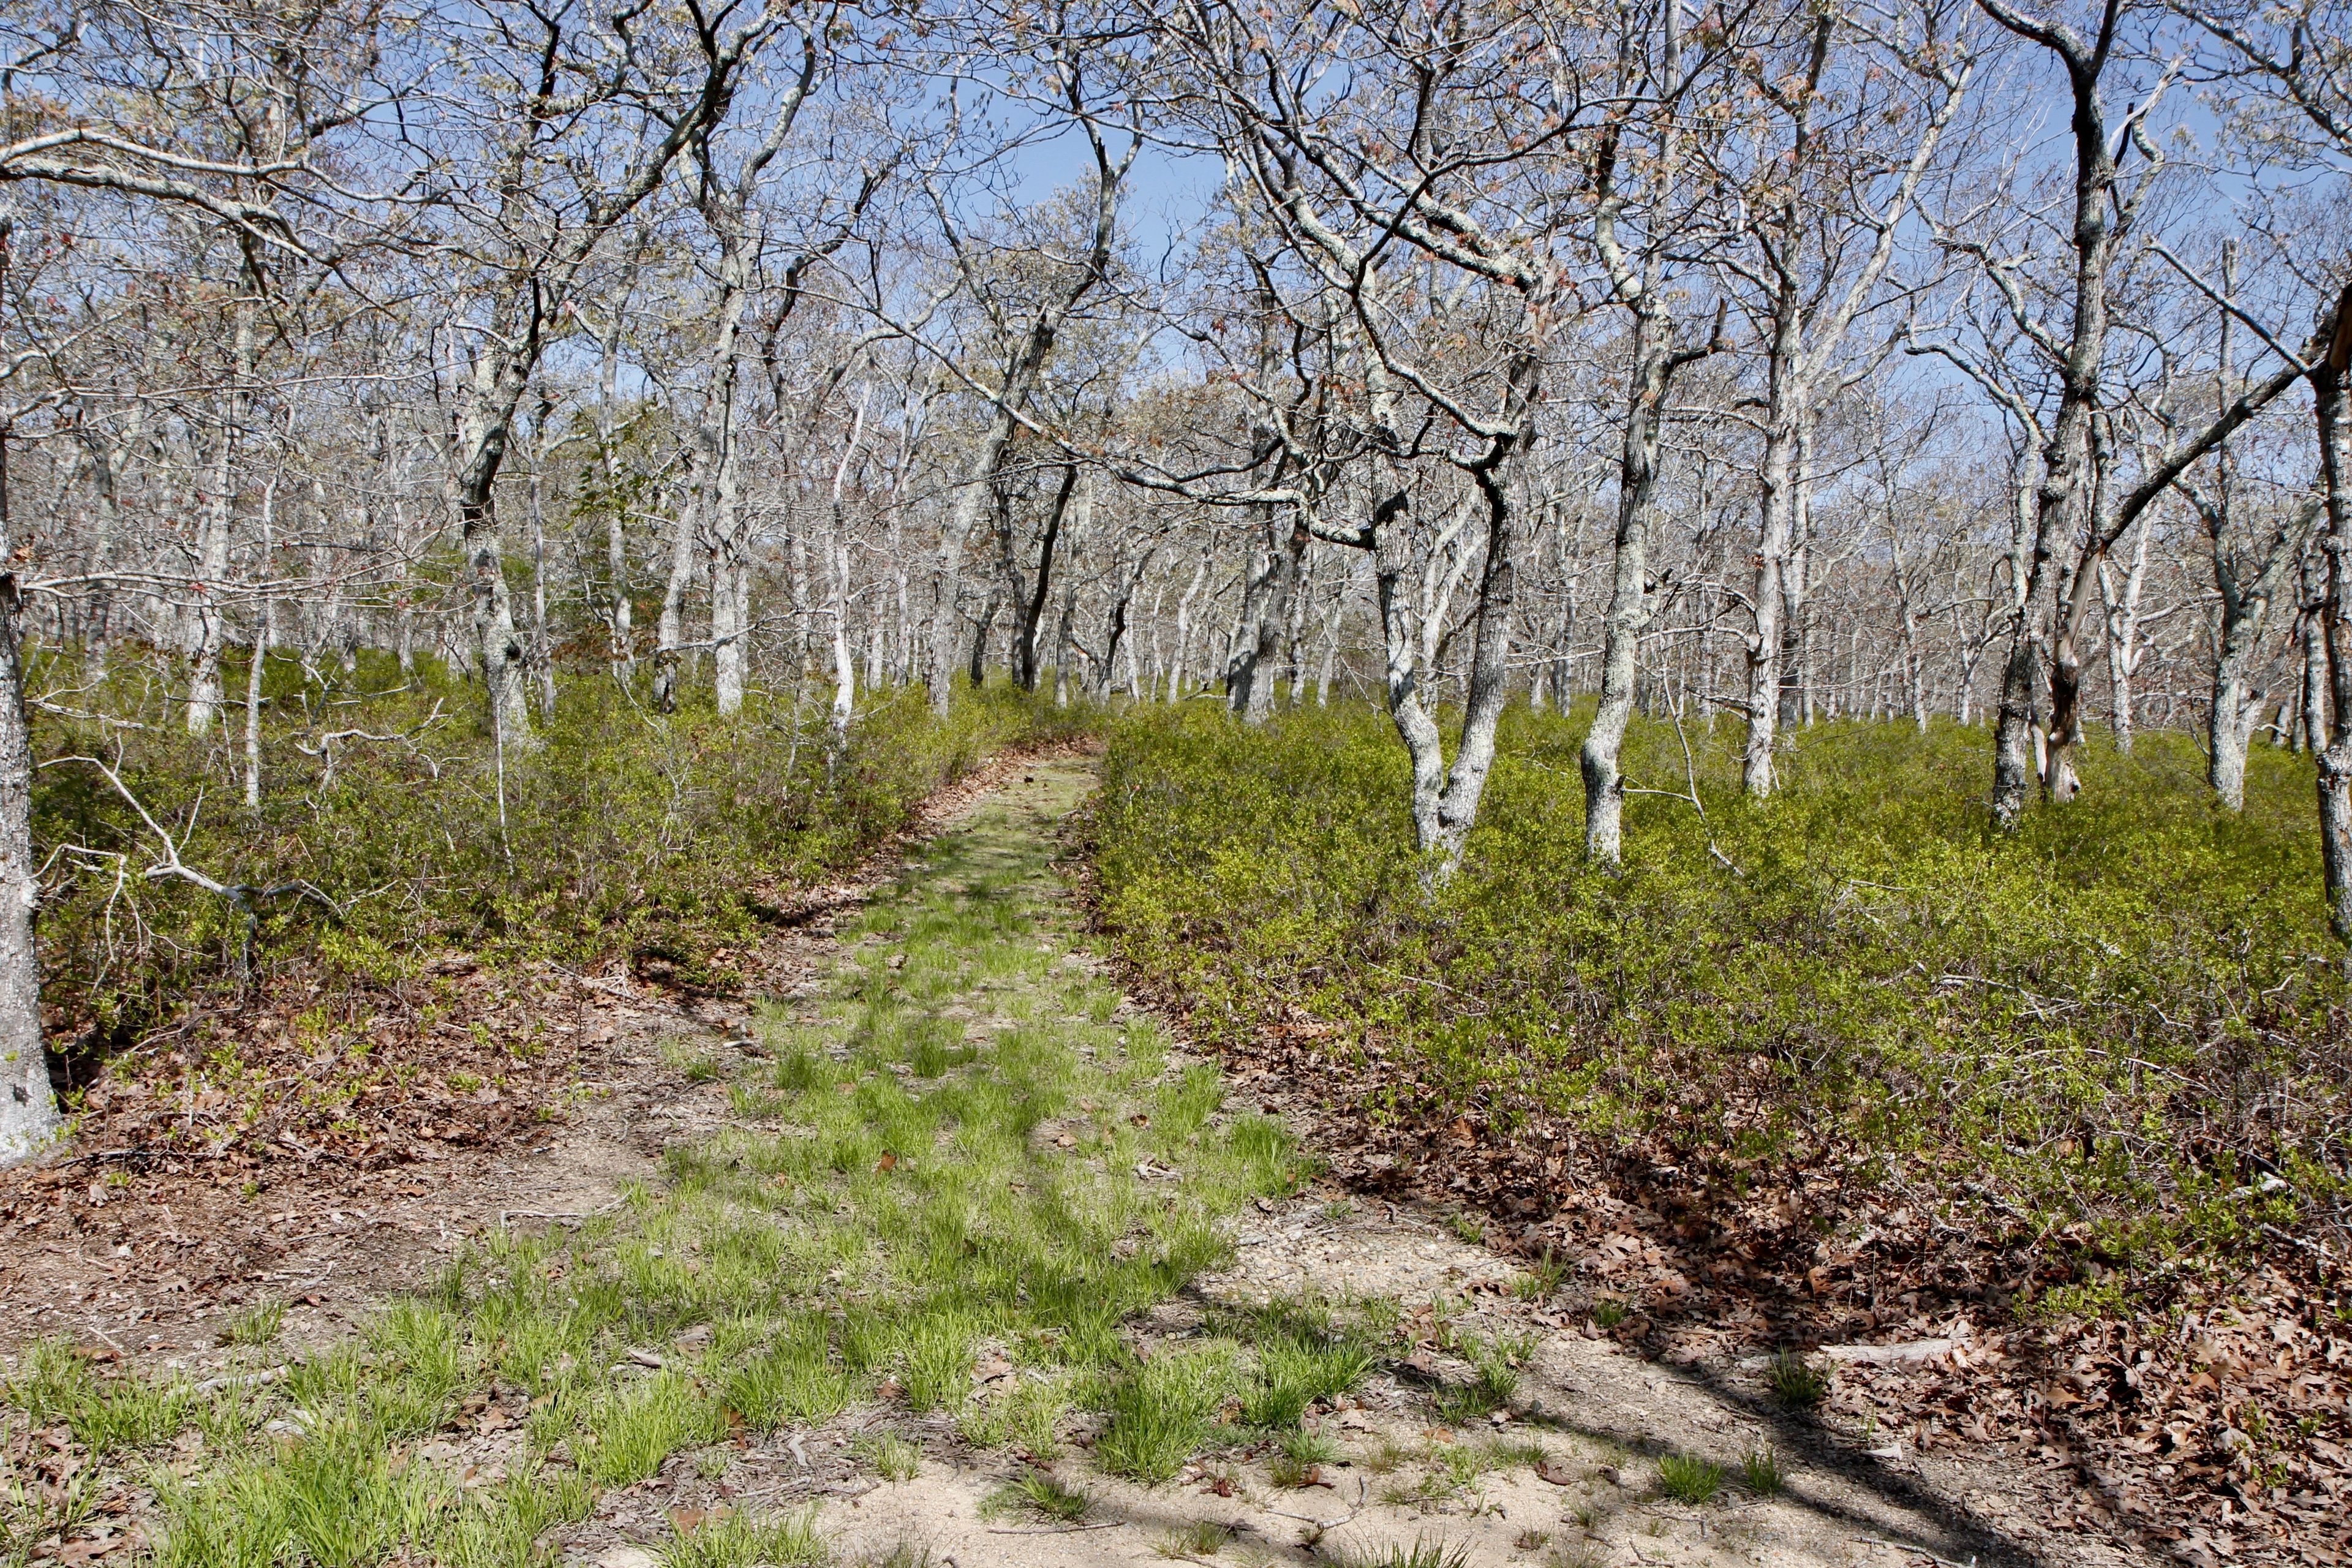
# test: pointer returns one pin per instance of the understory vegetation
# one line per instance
(2114, 1037)
(394, 823)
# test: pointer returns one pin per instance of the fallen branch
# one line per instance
(240, 894)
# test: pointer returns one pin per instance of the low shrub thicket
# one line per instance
(659, 836)
(2123, 1025)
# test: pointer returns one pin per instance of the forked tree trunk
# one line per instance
(2245, 617)
(1629, 594)
(1178, 672)
(1266, 609)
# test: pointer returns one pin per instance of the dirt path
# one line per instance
(945, 1252)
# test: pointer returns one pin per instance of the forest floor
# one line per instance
(1494, 1425)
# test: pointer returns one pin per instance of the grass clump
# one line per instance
(1039, 1495)
(106, 1414)
(894, 1458)
(1298, 1459)
(1687, 1478)
(1795, 1383)
(1542, 1278)
(744, 1540)
(1761, 1473)
(256, 1325)
(632, 1428)
(1420, 1554)
(1202, 1538)
(1162, 1412)
(1303, 1356)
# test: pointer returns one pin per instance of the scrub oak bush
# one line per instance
(2125, 1022)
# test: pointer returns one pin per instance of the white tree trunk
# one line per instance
(28, 1111)
(211, 625)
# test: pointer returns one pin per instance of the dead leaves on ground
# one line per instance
(2217, 1428)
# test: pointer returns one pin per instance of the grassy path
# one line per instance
(960, 1166)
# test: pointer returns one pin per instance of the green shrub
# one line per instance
(2113, 1019)
(657, 837)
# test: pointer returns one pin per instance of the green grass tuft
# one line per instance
(256, 1325)
(1039, 1495)
(1794, 1382)
(1686, 1478)
(743, 1541)
(1761, 1473)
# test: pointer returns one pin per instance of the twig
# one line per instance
(1914, 1550)
(1055, 1528)
(1363, 1489)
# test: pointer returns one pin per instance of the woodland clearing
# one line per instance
(1717, 644)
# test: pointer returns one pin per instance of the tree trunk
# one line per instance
(2123, 645)
(972, 498)
(541, 655)
(1065, 633)
(220, 517)
(669, 630)
(2237, 703)
(980, 634)
(1178, 672)
(1784, 410)
(28, 1111)
(623, 653)
(2314, 570)
(262, 617)
(497, 385)
(1032, 612)
(844, 673)
(2333, 408)
(1629, 595)
(1265, 607)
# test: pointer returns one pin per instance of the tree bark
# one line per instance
(220, 519)
(1655, 361)
(669, 629)
(1266, 610)
(2332, 402)
(29, 1124)
(1032, 612)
